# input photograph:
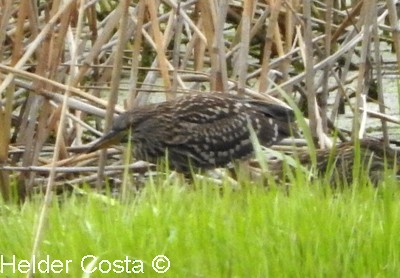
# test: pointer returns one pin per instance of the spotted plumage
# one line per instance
(336, 165)
(200, 131)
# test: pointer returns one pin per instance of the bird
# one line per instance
(371, 156)
(199, 131)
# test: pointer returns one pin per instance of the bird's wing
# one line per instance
(213, 143)
(204, 110)
(216, 130)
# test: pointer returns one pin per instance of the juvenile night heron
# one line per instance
(200, 131)
(371, 157)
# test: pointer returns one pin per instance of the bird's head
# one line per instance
(119, 132)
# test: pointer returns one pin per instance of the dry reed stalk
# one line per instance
(40, 228)
(265, 66)
(133, 93)
(55, 85)
(213, 18)
(393, 17)
(395, 29)
(98, 46)
(210, 35)
(36, 43)
(116, 77)
(320, 65)
(312, 107)
(323, 99)
(379, 77)
(220, 71)
(6, 10)
(289, 26)
(177, 44)
(198, 48)
(6, 112)
(245, 24)
(39, 110)
(160, 48)
(359, 123)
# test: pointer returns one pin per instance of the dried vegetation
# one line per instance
(68, 65)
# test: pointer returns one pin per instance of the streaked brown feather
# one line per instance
(202, 130)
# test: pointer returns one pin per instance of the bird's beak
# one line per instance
(110, 138)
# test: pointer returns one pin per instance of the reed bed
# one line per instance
(67, 67)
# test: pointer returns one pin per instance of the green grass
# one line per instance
(209, 232)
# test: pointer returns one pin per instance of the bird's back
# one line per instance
(207, 130)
